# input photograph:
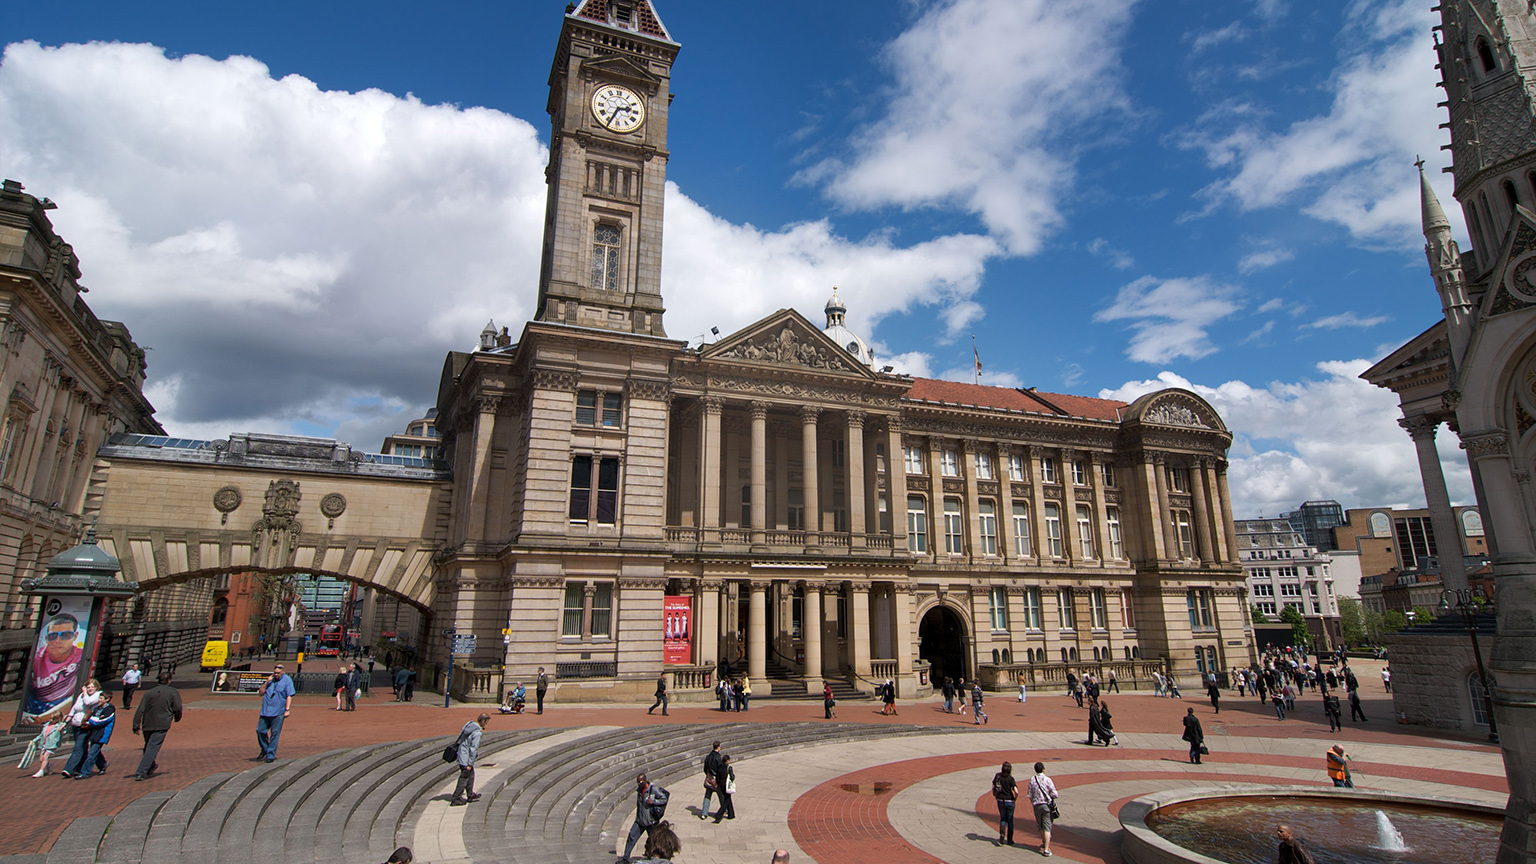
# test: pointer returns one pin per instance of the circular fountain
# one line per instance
(1236, 825)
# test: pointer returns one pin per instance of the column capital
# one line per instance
(856, 417)
(859, 585)
(1481, 444)
(759, 409)
(713, 404)
(1420, 427)
(809, 414)
(761, 585)
(935, 444)
(969, 445)
(810, 585)
(893, 424)
(1157, 457)
(1036, 451)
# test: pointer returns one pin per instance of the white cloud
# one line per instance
(301, 260)
(1263, 260)
(1331, 437)
(954, 135)
(1259, 334)
(1347, 319)
(1170, 317)
(1233, 32)
(1354, 164)
(1271, 305)
(1119, 259)
(990, 378)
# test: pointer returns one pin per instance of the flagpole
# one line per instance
(977, 355)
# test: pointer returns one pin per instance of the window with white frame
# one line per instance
(839, 452)
(1021, 545)
(1290, 590)
(1015, 466)
(986, 513)
(574, 609)
(1185, 532)
(984, 466)
(796, 510)
(917, 524)
(914, 460)
(1085, 530)
(587, 610)
(1065, 606)
(954, 527)
(1112, 532)
(1048, 470)
(592, 407)
(1098, 609)
(1266, 607)
(1053, 544)
(1032, 608)
(1079, 472)
(1263, 590)
(1107, 473)
(949, 463)
(997, 607)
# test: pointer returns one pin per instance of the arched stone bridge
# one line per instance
(174, 509)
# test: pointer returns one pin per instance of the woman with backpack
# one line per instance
(1006, 791)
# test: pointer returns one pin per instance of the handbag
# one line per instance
(1055, 811)
(451, 753)
(730, 785)
(358, 693)
(1204, 750)
(710, 782)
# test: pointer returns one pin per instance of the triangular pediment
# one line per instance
(786, 339)
(1512, 281)
(620, 67)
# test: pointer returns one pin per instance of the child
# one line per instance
(44, 746)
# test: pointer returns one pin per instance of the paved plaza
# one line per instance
(349, 787)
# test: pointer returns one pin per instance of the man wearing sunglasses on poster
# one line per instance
(55, 666)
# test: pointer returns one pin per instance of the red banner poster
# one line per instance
(677, 630)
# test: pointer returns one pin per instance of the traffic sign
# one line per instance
(463, 644)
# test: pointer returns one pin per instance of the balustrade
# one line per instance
(691, 677)
(880, 670)
(1006, 676)
(472, 683)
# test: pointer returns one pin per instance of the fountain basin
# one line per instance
(1236, 824)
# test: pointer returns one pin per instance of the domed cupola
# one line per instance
(838, 332)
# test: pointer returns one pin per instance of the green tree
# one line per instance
(1422, 615)
(1374, 626)
(1393, 621)
(1257, 615)
(1352, 621)
(1299, 632)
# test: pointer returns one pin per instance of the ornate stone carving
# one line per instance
(1419, 426)
(226, 501)
(1174, 414)
(713, 404)
(955, 486)
(1053, 493)
(1450, 400)
(793, 390)
(987, 487)
(758, 410)
(331, 506)
(1111, 497)
(488, 403)
(893, 424)
(279, 513)
(1083, 494)
(640, 388)
(808, 414)
(917, 483)
(856, 417)
(786, 347)
(1486, 444)
(555, 379)
(1019, 490)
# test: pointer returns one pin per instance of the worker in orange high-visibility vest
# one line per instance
(1338, 767)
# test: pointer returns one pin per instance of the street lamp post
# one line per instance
(1466, 603)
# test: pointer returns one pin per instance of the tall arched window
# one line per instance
(605, 257)
(1509, 194)
(1479, 698)
(1485, 56)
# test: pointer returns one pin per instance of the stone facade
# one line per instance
(1434, 676)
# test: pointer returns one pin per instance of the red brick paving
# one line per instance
(218, 734)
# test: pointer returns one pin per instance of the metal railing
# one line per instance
(587, 669)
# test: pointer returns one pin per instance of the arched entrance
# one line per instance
(942, 643)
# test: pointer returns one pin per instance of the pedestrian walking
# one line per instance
(1335, 714)
(1173, 688)
(408, 692)
(1338, 767)
(160, 707)
(80, 733)
(468, 751)
(1288, 692)
(1158, 685)
(1278, 700)
(1242, 681)
(276, 701)
(44, 747)
(102, 721)
(828, 701)
(540, 687)
(712, 764)
(981, 716)
(725, 779)
(1042, 797)
(1386, 678)
(949, 695)
(1214, 692)
(1194, 735)
(1112, 684)
(1023, 693)
(650, 806)
(1106, 725)
(960, 694)
(1354, 707)
(746, 693)
(1005, 790)
(131, 684)
(661, 695)
(888, 697)
(354, 686)
(339, 684)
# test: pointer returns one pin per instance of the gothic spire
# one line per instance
(1434, 216)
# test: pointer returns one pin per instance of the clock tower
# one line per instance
(609, 94)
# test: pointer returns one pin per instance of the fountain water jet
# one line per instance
(1388, 838)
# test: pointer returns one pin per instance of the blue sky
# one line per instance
(301, 207)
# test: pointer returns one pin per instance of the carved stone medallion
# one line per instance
(333, 505)
(226, 501)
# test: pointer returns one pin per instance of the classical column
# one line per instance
(935, 496)
(1218, 508)
(759, 412)
(811, 627)
(706, 624)
(1453, 571)
(1070, 540)
(1228, 526)
(1164, 511)
(896, 482)
(901, 639)
(871, 488)
(1207, 551)
(710, 467)
(781, 438)
(1100, 508)
(855, 453)
(858, 631)
(757, 632)
(810, 494)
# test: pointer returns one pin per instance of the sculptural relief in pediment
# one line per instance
(786, 346)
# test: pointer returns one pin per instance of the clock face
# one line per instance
(618, 108)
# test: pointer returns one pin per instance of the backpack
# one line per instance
(659, 799)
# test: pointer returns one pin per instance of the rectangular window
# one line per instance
(987, 516)
(839, 452)
(581, 488)
(1032, 607)
(1178, 478)
(1290, 590)
(605, 257)
(984, 466)
(608, 490)
(1053, 531)
(917, 524)
(1079, 472)
(883, 515)
(797, 510)
(1267, 608)
(1112, 530)
(1068, 611)
(575, 599)
(1263, 590)
(1108, 472)
(586, 407)
(954, 527)
(1127, 611)
(746, 506)
(914, 460)
(1048, 470)
(949, 463)
(613, 409)
(1098, 608)
(602, 608)
(1021, 545)
(1085, 529)
(1015, 467)
(1200, 602)
(1185, 533)
(997, 605)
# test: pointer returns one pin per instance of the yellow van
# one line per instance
(215, 654)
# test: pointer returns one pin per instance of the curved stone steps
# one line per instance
(123, 842)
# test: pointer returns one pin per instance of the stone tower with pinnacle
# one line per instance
(609, 93)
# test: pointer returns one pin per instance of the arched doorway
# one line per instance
(942, 643)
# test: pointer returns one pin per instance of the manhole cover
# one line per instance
(879, 787)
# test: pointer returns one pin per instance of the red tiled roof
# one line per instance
(648, 23)
(1010, 399)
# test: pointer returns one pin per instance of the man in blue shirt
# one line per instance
(276, 701)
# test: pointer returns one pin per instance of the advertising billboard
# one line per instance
(677, 630)
(61, 659)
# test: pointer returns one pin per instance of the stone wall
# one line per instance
(1429, 677)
